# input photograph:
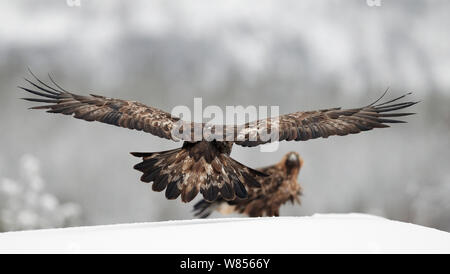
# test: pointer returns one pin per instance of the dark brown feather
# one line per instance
(302, 126)
(128, 114)
(204, 167)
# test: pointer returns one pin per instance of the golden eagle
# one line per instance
(279, 187)
(205, 165)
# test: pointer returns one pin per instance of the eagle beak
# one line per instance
(292, 157)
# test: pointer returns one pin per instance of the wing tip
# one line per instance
(140, 154)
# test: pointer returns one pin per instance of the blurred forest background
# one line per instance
(58, 171)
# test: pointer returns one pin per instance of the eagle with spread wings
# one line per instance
(204, 165)
(279, 187)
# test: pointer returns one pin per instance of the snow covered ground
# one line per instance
(320, 233)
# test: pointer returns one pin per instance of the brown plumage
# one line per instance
(279, 187)
(205, 165)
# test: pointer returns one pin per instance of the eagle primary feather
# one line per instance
(205, 166)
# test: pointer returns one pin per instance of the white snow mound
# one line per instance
(320, 233)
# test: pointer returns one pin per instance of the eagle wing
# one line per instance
(302, 126)
(127, 114)
(298, 126)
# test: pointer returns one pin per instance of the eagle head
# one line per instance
(292, 162)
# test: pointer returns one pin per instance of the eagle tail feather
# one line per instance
(194, 169)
